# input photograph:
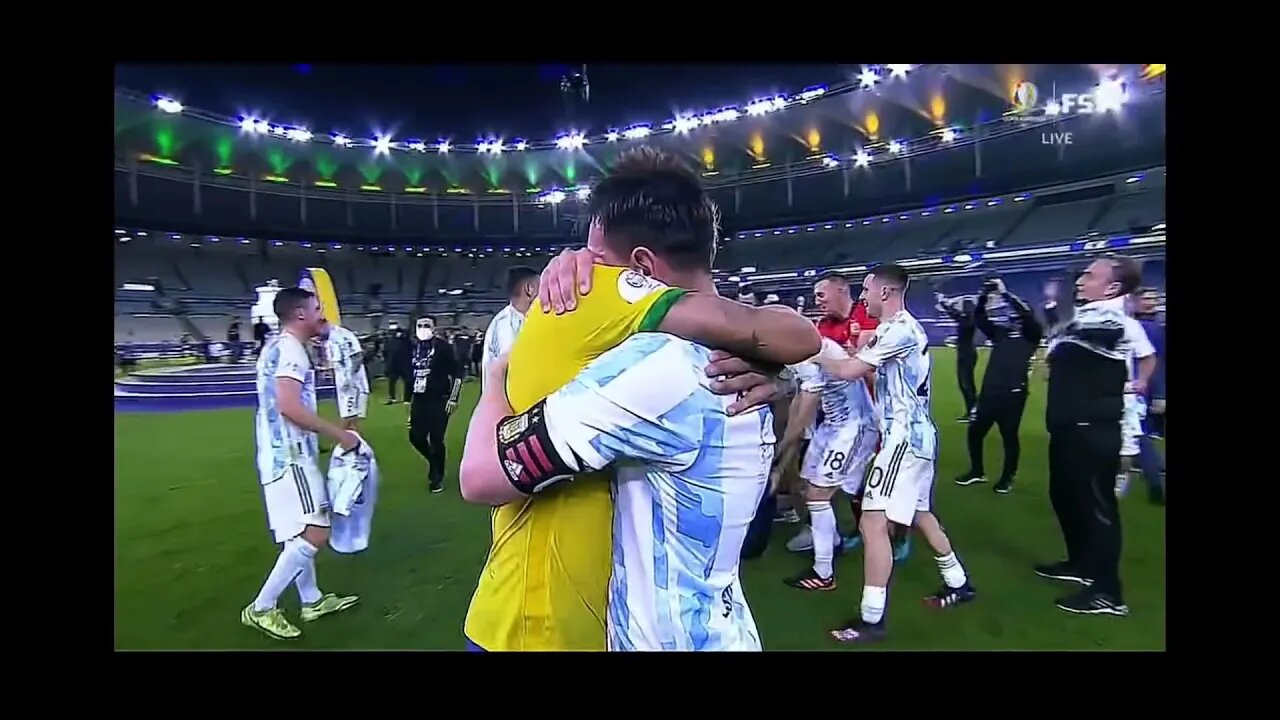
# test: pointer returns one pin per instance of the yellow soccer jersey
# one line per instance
(545, 583)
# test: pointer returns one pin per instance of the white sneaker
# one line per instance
(802, 542)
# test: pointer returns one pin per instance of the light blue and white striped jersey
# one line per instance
(900, 353)
(843, 402)
(344, 351)
(688, 481)
(500, 337)
(280, 442)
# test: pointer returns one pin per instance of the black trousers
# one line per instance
(966, 364)
(761, 527)
(427, 424)
(1003, 409)
(1083, 462)
(395, 375)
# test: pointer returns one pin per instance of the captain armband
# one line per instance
(529, 457)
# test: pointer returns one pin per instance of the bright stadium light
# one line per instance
(861, 158)
(611, 136)
(899, 71)
(341, 140)
(521, 144)
(382, 145)
(868, 77)
(636, 132)
(895, 147)
(812, 93)
(443, 146)
(584, 193)
(298, 134)
(830, 162)
(571, 141)
(418, 145)
(168, 104)
(948, 135)
(1052, 108)
(555, 197)
(1110, 95)
(683, 125)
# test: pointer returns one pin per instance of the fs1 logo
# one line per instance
(1110, 95)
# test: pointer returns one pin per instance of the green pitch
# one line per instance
(192, 549)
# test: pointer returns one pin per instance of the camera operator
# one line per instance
(960, 309)
(1015, 334)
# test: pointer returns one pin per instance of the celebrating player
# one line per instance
(288, 452)
(837, 456)
(349, 377)
(899, 487)
(522, 288)
(545, 581)
(681, 512)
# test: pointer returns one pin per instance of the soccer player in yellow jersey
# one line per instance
(545, 582)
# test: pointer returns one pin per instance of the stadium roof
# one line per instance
(737, 122)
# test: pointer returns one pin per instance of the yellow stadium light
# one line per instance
(1150, 72)
(709, 157)
(757, 146)
(873, 125)
(814, 139)
(938, 109)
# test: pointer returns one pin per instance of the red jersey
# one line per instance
(840, 330)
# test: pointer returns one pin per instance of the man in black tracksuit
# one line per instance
(1015, 334)
(397, 355)
(437, 380)
(960, 309)
(1088, 378)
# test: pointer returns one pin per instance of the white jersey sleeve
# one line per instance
(1137, 338)
(810, 376)
(892, 340)
(635, 402)
(499, 338)
(294, 361)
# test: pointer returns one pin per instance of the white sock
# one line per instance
(308, 590)
(292, 561)
(822, 523)
(1122, 484)
(873, 600)
(952, 571)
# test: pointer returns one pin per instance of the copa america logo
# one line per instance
(1025, 96)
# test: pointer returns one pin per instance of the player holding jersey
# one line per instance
(342, 347)
(836, 458)
(899, 487)
(288, 467)
(689, 477)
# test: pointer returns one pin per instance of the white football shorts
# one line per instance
(1135, 410)
(900, 484)
(296, 499)
(354, 404)
(838, 456)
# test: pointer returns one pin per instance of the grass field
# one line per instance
(192, 549)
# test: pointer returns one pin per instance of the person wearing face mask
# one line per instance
(437, 380)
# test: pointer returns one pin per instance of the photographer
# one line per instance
(960, 309)
(1015, 334)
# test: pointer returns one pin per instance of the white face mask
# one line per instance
(426, 333)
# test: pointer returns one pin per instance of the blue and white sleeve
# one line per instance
(892, 340)
(639, 401)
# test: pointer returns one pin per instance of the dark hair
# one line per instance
(518, 276)
(1127, 272)
(425, 316)
(893, 275)
(650, 198)
(833, 277)
(289, 300)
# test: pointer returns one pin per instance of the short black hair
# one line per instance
(892, 274)
(1127, 272)
(650, 198)
(288, 300)
(518, 276)
(833, 276)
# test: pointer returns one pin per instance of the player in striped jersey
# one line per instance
(688, 479)
(836, 457)
(899, 487)
(288, 467)
(342, 347)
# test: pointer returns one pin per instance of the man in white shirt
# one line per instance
(288, 467)
(522, 288)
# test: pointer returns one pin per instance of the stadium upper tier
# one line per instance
(851, 155)
(213, 270)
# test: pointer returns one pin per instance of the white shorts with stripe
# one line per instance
(899, 484)
(354, 404)
(838, 456)
(1135, 409)
(296, 499)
